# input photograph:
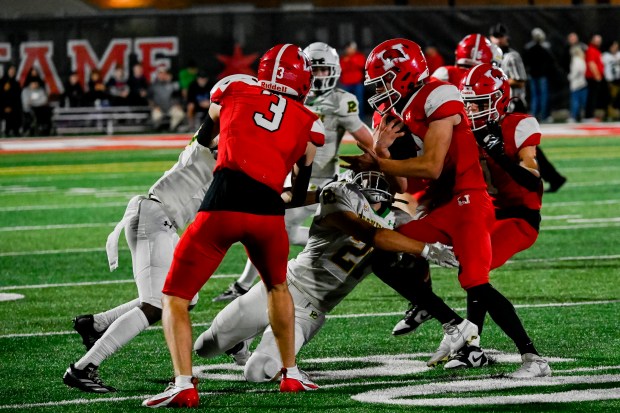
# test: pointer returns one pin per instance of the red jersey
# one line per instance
(263, 134)
(519, 130)
(438, 100)
(450, 74)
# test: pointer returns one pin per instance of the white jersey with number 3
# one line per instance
(333, 263)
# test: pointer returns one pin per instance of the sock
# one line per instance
(293, 373)
(120, 332)
(183, 381)
(103, 320)
(250, 273)
(504, 315)
(476, 312)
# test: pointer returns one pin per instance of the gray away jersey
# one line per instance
(339, 112)
(333, 263)
(182, 188)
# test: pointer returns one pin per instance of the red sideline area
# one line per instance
(100, 143)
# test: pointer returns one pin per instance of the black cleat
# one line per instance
(468, 357)
(233, 291)
(414, 317)
(84, 325)
(87, 380)
(556, 185)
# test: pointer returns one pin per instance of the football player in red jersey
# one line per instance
(472, 50)
(460, 213)
(264, 132)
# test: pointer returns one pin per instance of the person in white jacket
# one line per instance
(577, 83)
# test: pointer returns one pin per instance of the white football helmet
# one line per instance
(498, 55)
(325, 66)
(374, 186)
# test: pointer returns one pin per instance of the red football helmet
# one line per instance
(473, 50)
(396, 68)
(285, 69)
(486, 93)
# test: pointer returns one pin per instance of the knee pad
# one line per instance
(261, 368)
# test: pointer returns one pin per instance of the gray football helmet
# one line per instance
(325, 66)
(374, 186)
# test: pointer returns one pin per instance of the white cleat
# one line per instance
(454, 338)
(533, 366)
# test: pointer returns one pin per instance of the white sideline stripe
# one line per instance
(59, 226)
(337, 316)
(78, 284)
(68, 206)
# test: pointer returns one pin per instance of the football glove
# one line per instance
(490, 139)
(440, 254)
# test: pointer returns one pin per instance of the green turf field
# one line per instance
(56, 210)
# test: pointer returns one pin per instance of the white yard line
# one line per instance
(59, 226)
(66, 206)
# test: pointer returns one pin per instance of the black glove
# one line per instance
(490, 139)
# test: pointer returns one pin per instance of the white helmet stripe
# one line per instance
(277, 63)
(475, 50)
(469, 75)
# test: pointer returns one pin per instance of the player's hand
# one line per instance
(441, 255)
(389, 129)
(368, 161)
(490, 139)
(420, 212)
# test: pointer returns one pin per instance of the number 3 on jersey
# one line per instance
(276, 110)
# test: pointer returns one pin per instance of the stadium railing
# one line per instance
(107, 120)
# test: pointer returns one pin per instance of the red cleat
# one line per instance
(292, 385)
(174, 396)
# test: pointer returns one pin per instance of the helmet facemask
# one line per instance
(481, 108)
(325, 77)
(386, 94)
(374, 187)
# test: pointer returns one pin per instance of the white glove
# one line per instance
(440, 254)
(420, 212)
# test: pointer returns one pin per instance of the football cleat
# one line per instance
(87, 380)
(454, 338)
(294, 385)
(414, 317)
(240, 352)
(533, 366)
(467, 357)
(234, 290)
(84, 325)
(174, 396)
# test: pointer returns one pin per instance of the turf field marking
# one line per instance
(10, 296)
(403, 396)
(59, 226)
(581, 203)
(329, 316)
(68, 206)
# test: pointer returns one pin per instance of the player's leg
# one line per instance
(472, 246)
(508, 237)
(264, 364)
(241, 320)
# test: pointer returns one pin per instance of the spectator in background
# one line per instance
(11, 102)
(186, 76)
(594, 75)
(572, 39)
(35, 104)
(73, 95)
(198, 100)
(577, 83)
(540, 66)
(512, 65)
(117, 88)
(433, 58)
(96, 94)
(163, 102)
(611, 61)
(138, 86)
(352, 64)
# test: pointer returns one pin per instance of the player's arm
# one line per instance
(363, 135)
(387, 239)
(430, 164)
(300, 177)
(210, 128)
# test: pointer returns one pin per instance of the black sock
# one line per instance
(504, 315)
(412, 281)
(476, 312)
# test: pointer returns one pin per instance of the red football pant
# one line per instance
(508, 237)
(465, 223)
(205, 242)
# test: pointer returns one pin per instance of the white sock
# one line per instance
(105, 319)
(250, 273)
(120, 332)
(293, 373)
(183, 381)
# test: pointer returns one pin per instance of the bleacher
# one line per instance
(106, 120)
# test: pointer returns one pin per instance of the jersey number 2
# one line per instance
(276, 110)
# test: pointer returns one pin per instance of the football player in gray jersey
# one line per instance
(352, 219)
(339, 112)
(151, 223)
